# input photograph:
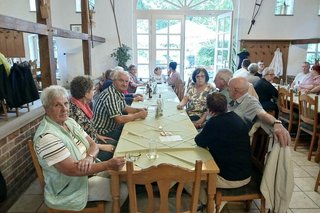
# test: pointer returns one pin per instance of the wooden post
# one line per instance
(47, 61)
(86, 49)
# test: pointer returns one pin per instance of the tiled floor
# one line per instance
(304, 199)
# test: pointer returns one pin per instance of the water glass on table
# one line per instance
(152, 153)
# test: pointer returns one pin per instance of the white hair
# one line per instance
(52, 92)
(116, 74)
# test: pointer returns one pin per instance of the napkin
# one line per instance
(170, 138)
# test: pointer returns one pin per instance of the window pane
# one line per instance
(78, 5)
(174, 56)
(143, 71)
(284, 7)
(158, 5)
(161, 57)
(142, 41)
(175, 27)
(143, 56)
(142, 26)
(174, 42)
(312, 47)
(32, 4)
(161, 41)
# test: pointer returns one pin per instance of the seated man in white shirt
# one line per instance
(301, 76)
(243, 72)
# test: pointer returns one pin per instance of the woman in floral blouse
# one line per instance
(82, 91)
(195, 99)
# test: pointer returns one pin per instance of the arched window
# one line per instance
(191, 32)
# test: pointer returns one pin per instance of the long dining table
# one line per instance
(174, 134)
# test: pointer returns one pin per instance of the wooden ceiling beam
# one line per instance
(11, 23)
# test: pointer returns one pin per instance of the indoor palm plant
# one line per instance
(122, 55)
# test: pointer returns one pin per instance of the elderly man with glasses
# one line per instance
(110, 107)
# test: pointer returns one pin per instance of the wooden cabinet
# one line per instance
(11, 43)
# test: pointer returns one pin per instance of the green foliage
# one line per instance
(206, 54)
(122, 55)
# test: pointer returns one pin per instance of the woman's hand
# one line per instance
(106, 147)
(104, 138)
(85, 164)
(179, 107)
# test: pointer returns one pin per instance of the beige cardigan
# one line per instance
(277, 182)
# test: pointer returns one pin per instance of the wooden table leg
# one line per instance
(212, 180)
(115, 191)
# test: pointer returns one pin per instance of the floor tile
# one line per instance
(298, 171)
(301, 200)
(27, 203)
(312, 170)
(302, 161)
(315, 196)
(34, 188)
(305, 184)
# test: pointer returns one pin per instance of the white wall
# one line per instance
(304, 24)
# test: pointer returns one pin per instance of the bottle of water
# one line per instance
(281, 82)
(159, 110)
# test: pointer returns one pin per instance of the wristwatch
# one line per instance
(277, 122)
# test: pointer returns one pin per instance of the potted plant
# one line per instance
(122, 55)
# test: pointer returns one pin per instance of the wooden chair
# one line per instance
(247, 193)
(164, 175)
(179, 89)
(285, 105)
(92, 207)
(308, 120)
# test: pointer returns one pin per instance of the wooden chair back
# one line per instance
(164, 175)
(308, 120)
(179, 89)
(92, 207)
(251, 191)
(285, 105)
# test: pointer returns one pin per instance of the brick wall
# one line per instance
(15, 162)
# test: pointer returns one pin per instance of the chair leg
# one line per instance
(248, 204)
(218, 201)
(263, 205)
(317, 182)
(313, 139)
(297, 139)
(317, 157)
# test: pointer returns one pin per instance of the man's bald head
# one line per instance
(238, 87)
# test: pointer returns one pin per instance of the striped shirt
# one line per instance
(110, 104)
(52, 149)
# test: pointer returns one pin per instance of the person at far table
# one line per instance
(267, 93)
(111, 111)
(158, 76)
(312, 83)
(222, 79)
(243, 71)
(133, 79)
(129, 97)
(253, 69)
(82, 90)
(260, 69)
(250, 109)
(173, 76)
(196, 97)
(301, 76)
(230, 149)
(67, 155)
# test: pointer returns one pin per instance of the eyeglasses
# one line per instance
(132, 157)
